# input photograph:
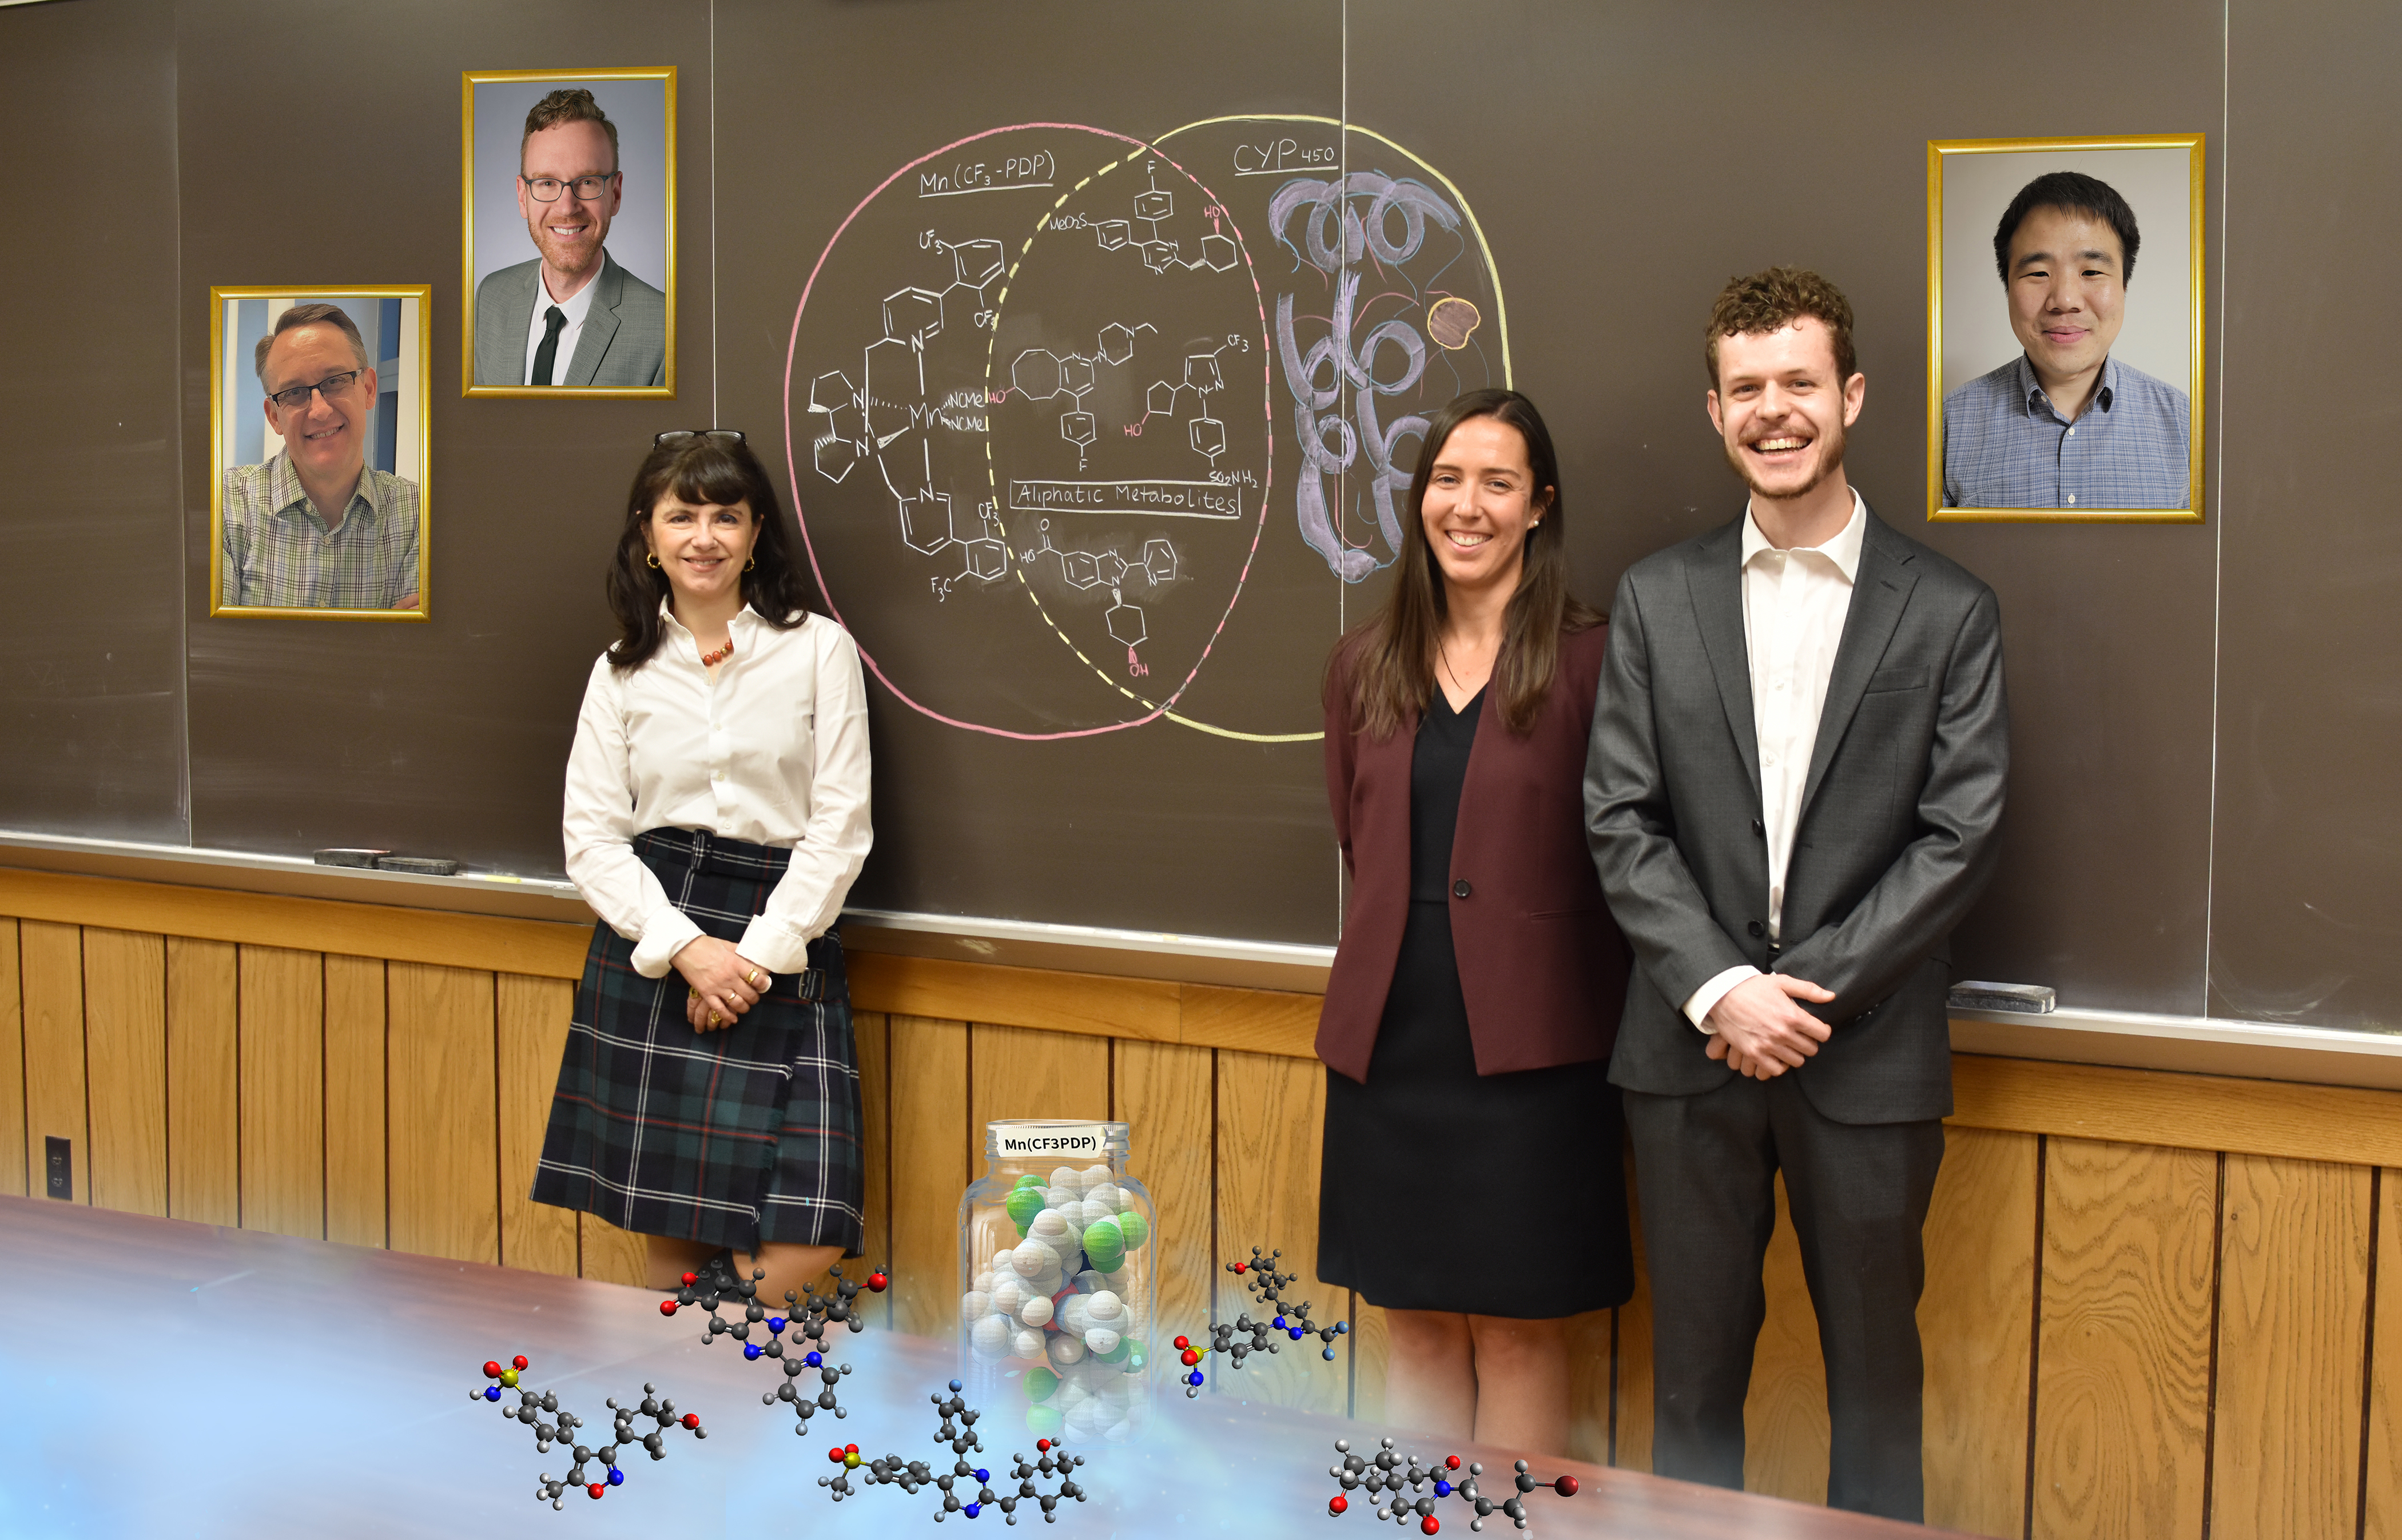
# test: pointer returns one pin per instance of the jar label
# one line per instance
(1046, 1139)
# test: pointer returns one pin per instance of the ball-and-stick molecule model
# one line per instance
(1267, 1285)
(808, 1321)
(1403, 1489)
(958, 1434)
(530, 1410)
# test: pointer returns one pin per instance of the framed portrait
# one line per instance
(2064, 329)
(317, 449)
(567, 179)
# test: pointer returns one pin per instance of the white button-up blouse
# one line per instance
(773, 750)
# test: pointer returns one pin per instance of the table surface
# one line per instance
(168, 1378)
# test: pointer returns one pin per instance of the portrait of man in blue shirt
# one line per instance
(2064, 425)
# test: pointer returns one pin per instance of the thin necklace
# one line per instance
(710, 660)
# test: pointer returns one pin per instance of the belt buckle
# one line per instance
(810, 982)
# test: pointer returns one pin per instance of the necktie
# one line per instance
(553, 322)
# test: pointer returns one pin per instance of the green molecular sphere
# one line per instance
(1045, 1422)
(1105, 1245)
(1040, 1384)
(1023, 1205)
(1135, 1227)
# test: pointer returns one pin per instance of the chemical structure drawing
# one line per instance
(808, 1320)
(1037, 374)
(1153, 206)
(1267, 1285)
(1403, 1489)
(1108, 569)
(1365, 354)
(958, 1434)
(886, 416)
(532, 1409)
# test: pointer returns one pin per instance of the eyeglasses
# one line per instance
(547, 189)
(673, 434)
(296, 398)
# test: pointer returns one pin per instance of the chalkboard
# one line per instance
(1099, 656)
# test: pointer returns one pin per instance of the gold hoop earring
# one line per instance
(750, 562)
(651, 558)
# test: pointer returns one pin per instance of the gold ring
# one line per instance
(714, 1019)
(692, 993)
(751, 978)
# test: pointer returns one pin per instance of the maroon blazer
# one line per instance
(1542, 963)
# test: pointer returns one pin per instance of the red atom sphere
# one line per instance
(1339, 1506)
(491, 1369)
(1450, 1462)
(1183, 1342)
(1192, 1356)
(518, 1362)
(596, 1489)
(691, 1278)
(1564, 1486)
(1429, 1524)
(666, 1307)
(691, 1421)
(1042, 1446)
(1242, 1267)
(835, 1455)
(876, 1283)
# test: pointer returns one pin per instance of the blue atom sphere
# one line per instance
(491, 1392)
(1194, 1378)
(983, 1476)
(1328, 1355)
(616, 1476)
(817, 1360)
(1294, 1332)
(973, 1509)
(777, 1324)
(955, 1384)
(752, 1350)
(1280, 1323)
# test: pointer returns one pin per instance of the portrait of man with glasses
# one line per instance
(571, 318)
(314, 526)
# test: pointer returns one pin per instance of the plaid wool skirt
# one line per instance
(735, 1138)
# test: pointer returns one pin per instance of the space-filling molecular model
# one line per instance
(958, 1434)
(807, 1320)
(1267, 1285)
(530, 1410)
(1402, 1489)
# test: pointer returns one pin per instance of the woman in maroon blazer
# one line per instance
(1469, 1183)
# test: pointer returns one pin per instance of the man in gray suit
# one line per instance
(1798, 750)
(572, 316)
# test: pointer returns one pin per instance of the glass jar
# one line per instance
(1059, 1282)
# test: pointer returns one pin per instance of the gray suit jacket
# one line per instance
(1895, 838)
(624, 344)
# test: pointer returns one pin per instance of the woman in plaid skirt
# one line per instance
(717, 813)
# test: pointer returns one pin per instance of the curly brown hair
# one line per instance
(567, 104)
(1771, 300)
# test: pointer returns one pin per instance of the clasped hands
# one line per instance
(720, 983)
(1760, 1032)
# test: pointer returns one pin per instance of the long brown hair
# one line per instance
(700, 469)
(1391, 653)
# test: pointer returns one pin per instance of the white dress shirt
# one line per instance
(575, 308)
(772, 751)
(1794, 603)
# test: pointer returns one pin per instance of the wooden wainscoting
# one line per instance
(2152, 1300)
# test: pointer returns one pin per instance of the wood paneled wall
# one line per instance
(2153, 1301)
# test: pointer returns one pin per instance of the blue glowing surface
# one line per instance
(169, 1379)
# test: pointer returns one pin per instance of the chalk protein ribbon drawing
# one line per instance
(1068, 398)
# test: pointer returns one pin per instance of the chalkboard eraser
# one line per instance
(422, 866)
(349, 857)
(2035, 1000)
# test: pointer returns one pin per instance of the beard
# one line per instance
(1831, 459)
(566, 259)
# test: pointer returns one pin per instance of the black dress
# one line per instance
(1441, 1189)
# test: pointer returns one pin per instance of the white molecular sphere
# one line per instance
(1092, 1176)
(1090, 1282)
(1048, 1282)
(1107, 1195)
(1117, 1433)
(983, 1282)
(1066, 1397)
(1065, 1176)
(975, 1305)
(1036, 1311)
(990, 1337)
(1060, 1197)
(1064, 1349)
(1100, 1340)
(1049, 1226)
(1072, 1314)
(1004, 1260)
(1007, 1295)
(1026, 1343)
(1085, 1420)
(1032, 1259)
(1105, 1309)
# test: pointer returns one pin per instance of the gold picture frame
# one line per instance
(1969, 195)
(239, 315)
(470, 277)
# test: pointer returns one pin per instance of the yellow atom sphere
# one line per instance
(509, 1378)
(850, 1461)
